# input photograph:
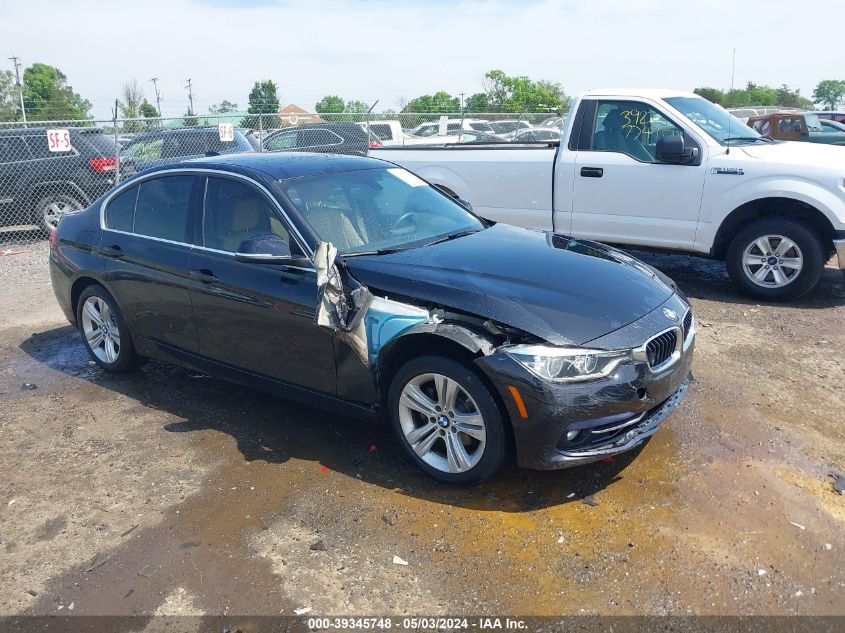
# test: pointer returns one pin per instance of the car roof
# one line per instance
(283, 165)
(653, 93)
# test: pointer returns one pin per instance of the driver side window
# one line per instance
(632, 128)
(234, 212)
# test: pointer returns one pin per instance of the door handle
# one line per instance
(204, 275)
(592, 172)
(113, 251)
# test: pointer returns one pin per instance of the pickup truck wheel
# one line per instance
(775, 259)
(446, 420)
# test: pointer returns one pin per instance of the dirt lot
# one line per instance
(170, 492)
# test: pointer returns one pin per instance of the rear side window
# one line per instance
(285, 140)
(311, 138)
(120, 212)
(101, 144)
(12, 149)
(39, 149)
(163, 207)
(383, 131)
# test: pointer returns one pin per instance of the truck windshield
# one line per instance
(713, 119)
(373, 210)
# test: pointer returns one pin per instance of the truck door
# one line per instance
(621, 194)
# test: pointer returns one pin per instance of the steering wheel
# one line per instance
(403, 219)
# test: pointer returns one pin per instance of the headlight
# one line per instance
(567, 364)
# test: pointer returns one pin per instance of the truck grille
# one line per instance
(661, 347)
(687, 323)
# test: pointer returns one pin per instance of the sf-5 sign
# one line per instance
(58, 141)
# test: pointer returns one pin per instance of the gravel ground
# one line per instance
(168, 492)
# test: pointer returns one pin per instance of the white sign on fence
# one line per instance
(443, 127)
(226, 131)
(58, 141)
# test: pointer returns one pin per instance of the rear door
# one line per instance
(258, 317)
(146, 239)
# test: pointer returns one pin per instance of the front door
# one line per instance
(257, 317)
(621, 193)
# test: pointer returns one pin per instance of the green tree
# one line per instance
(189, 119)
(330, 104)
(789, 98)
(223, 107)
(440, 101)
(48, 96)
(712, 94)
(478, 102)
(829, 92)
(148, 110)
(10, 105)
(522, 94)
(263, 100)
(356, 107)
(130, 106)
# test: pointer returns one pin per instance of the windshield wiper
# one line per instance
(378, 251)
(452, 236)
(765, 138)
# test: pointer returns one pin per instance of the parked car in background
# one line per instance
(388, 132)
(161, 147)
(795, 126)
(554, 121)
(508, 126)
(664, 169)
(839, 117)
(334, 138)
(352, 284)
(452, 125)
(37, 186)
(832, 126)
(536, 134)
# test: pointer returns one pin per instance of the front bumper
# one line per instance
(612, 415)
(839, 245)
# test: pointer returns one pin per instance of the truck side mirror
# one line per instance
(671, 149)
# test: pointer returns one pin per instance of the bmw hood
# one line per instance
(557, 288)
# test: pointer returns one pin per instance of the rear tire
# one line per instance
(51, 208)
(446, 420)
(104, 331)
(775, 259)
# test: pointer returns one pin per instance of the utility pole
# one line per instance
(155, 81)
(17, 64)
(190, 96)
(462, 102)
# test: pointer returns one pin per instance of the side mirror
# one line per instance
(671, 149)
(464, 203)
(264, 249)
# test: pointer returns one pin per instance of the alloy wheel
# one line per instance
(100, 329)
(772, 261)
(56, 208)
(442, 423)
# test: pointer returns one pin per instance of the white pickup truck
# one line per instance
(664, 169)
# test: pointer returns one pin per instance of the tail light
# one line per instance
(104, 164)
(374, 144)
(54, 235)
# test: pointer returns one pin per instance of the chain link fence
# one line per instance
(50, 168)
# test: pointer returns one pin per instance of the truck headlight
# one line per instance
(567, 364)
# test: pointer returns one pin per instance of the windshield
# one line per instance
(713, 119)
(813, 122)
(375, 209)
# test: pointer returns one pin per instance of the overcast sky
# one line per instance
(392, 49)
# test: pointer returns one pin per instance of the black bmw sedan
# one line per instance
(350, 283)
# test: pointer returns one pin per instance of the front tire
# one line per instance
(775, 259)
(446, 420)
(104, 331)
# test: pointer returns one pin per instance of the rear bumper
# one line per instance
(839, 245)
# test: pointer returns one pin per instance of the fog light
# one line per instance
(571, 435)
